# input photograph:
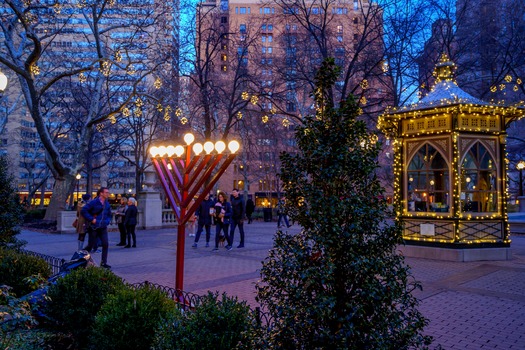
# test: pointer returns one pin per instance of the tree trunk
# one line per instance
(58, 200)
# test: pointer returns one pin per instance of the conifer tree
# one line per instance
(339, 283)
(11, 211)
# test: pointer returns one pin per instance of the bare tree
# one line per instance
(105, 52)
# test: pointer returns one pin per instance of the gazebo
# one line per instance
(450, 187)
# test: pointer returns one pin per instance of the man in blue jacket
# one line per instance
(205, 219)
(98, 216)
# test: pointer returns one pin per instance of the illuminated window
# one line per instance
(478, 181)
(427, 181)
(224, 57)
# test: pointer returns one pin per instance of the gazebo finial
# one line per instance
(444, 69)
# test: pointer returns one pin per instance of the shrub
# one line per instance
(16, 268)
(213, 324)
(11, 211)
(34, 214)
(76, 298)
(128, 319)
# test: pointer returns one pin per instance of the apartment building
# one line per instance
(277, 47)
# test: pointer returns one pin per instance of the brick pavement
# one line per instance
(474, 305)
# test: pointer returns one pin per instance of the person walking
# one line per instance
(238, 211)
(98, 216)
(250, 208)
(81, 221)
(281, 213)
(119, 218)
(204, 219)
(223, 214)
(130, 221)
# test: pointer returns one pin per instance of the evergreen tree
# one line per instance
(11, 211)
(338, 284)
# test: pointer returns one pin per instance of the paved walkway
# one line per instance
(475, 305)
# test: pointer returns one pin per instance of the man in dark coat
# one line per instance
(238, 212)
(204, 220)
(250, 208)
(98, 216)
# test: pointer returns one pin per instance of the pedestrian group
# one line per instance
(94, 216)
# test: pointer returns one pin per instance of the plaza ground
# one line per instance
(473, 305)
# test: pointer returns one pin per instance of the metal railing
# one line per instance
(53, 262)
(188, 301)
(185, 300)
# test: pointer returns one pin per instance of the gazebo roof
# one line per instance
(446, 91)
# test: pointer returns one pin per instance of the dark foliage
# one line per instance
(76, 298)
(339, 283)
(11, 211)
(16, 270)
(219, 324)
(128, 319)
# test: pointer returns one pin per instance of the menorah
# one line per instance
(183, 176)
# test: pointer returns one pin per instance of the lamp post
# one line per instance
(182, 175)
(78, 177)
(520, 166)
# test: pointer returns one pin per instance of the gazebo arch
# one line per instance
(478, 179)
(427, 176)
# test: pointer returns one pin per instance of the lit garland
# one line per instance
(157, 83)
(450, 112)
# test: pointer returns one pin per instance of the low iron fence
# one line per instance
(53, 262)
(185, 300)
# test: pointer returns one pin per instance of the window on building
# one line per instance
(428, 181)
(356, 5)
(224, 19)
(224, 57)
(270, 27)
(224, 68)
(340, 29)
(290, 107)
(478, 180)
(340, 38)
(242, 28)
(242, 10)
(356, 20)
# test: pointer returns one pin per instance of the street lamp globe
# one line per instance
(78, 177)
(521, 165)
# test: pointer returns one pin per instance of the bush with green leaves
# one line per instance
(339, 283)
(17, 270)
(11, 211)
(76, 298)
(215, 323)
(129, 318)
